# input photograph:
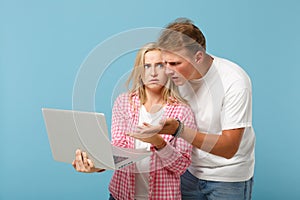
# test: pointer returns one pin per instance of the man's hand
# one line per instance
(83, 164)
(168, 126)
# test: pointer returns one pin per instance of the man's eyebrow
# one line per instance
(172, 63)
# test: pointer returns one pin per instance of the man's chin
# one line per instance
(178, 82)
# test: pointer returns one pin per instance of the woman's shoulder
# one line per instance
(122, 98)
(127, 98)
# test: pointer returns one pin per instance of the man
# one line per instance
(220, 95)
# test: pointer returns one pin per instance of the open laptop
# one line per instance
(69, 130)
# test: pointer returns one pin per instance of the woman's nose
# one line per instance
(153, 71)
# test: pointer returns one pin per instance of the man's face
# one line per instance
(178, 68)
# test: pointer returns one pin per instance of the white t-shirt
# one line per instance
(143, 166)
(222, 100)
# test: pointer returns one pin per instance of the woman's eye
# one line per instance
(147, 66)
(160, 65)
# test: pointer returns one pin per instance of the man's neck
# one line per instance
(207, 63)
(202, 69)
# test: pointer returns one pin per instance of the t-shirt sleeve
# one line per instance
(237, 109)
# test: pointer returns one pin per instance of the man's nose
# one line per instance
(169, 71)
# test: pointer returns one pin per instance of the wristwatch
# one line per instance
(179, 129)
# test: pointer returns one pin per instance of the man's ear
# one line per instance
(198, 56)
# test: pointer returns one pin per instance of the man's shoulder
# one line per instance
(230, 71)
(226, 64)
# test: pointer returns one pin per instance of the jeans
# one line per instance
(111, 197)
(197, 189)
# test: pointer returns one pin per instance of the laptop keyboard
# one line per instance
(118, 159)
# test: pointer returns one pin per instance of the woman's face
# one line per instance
(154, 77)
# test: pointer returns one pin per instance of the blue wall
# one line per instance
(44, 43)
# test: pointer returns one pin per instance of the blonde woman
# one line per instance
(152, 98)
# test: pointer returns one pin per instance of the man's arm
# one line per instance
(224, 145)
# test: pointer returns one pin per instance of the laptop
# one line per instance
(69, 130)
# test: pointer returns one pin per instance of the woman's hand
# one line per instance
(166, 126)
(83, 164)
(148, 133)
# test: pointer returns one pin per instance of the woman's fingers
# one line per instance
(90, 163)
(74, 164)
(84, 157)
(79, 160)
(82, 163)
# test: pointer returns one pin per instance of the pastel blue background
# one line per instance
(43, 43)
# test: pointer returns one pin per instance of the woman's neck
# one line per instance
(154, 101)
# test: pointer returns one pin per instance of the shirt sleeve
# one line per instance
(237, 109)
(119, 122)
(176, 155)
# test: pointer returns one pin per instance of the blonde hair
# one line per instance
(169, 89)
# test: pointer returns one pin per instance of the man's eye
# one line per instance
(174, 63)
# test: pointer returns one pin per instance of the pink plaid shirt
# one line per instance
(166, 165)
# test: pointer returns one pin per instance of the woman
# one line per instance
(152, 98)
